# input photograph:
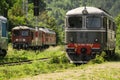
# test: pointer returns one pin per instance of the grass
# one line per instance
(20, 55)
(53, 65)
(11, 72)
(104, 71)
(105, 58)
(37, 67)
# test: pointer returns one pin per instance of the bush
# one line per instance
(115, 57)
(99, 58)
(55, 59)
(64, 59)
(61, 59)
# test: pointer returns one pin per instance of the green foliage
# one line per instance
(104, 57)
(59, 60)
(16, 15)
(12, 72)
(64, 59)
(112, 6)
(99, 58)
(9, 37)
(115, 57)
(55, 59)
(5, 5)
(20, 55)
(117, 20)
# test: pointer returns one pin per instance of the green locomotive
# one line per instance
(3, 36)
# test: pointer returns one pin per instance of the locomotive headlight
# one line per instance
(24, 40)
(85, 12)
(71, 39)
(16, 40)
(96, 40)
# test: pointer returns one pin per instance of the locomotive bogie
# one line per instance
(88, 32)
(20, 46)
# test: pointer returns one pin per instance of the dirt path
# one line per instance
(105, 71)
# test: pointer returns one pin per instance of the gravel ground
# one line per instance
(104, 71)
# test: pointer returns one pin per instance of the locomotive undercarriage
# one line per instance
(3, 53)
(42, 47)
(20, 46)
(27, 46)
(82, 57)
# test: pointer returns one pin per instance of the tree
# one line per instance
(117, 20)
(5, 5)
(16, 15)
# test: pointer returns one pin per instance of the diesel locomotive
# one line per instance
(24, 37)
(89, 31)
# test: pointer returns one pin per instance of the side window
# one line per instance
(114, 27)
(109, 24)
(4, 29)
(0, 27)
(104, 22)
(32, 34)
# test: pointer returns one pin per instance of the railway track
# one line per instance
(23, 62)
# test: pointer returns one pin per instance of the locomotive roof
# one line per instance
(46, 30)
(3, 18)
(90, 10)
(21, 27)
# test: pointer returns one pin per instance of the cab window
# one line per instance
(93, 22)
(75, 22)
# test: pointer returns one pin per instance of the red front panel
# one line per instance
(21, 39)
(88, 47)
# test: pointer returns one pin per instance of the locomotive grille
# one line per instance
(83, 37)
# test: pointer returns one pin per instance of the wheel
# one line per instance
(112, 52)
(3, 53)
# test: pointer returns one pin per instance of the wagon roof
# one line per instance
(3, 18)
(46, 30)
(90, 10)
(21, 27)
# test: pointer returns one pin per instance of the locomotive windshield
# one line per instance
(25, 33)
(93, 22)
(16, 33)
(75, 22)
(20, 33)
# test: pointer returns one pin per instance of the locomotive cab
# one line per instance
(21, 37)
(87, 33)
